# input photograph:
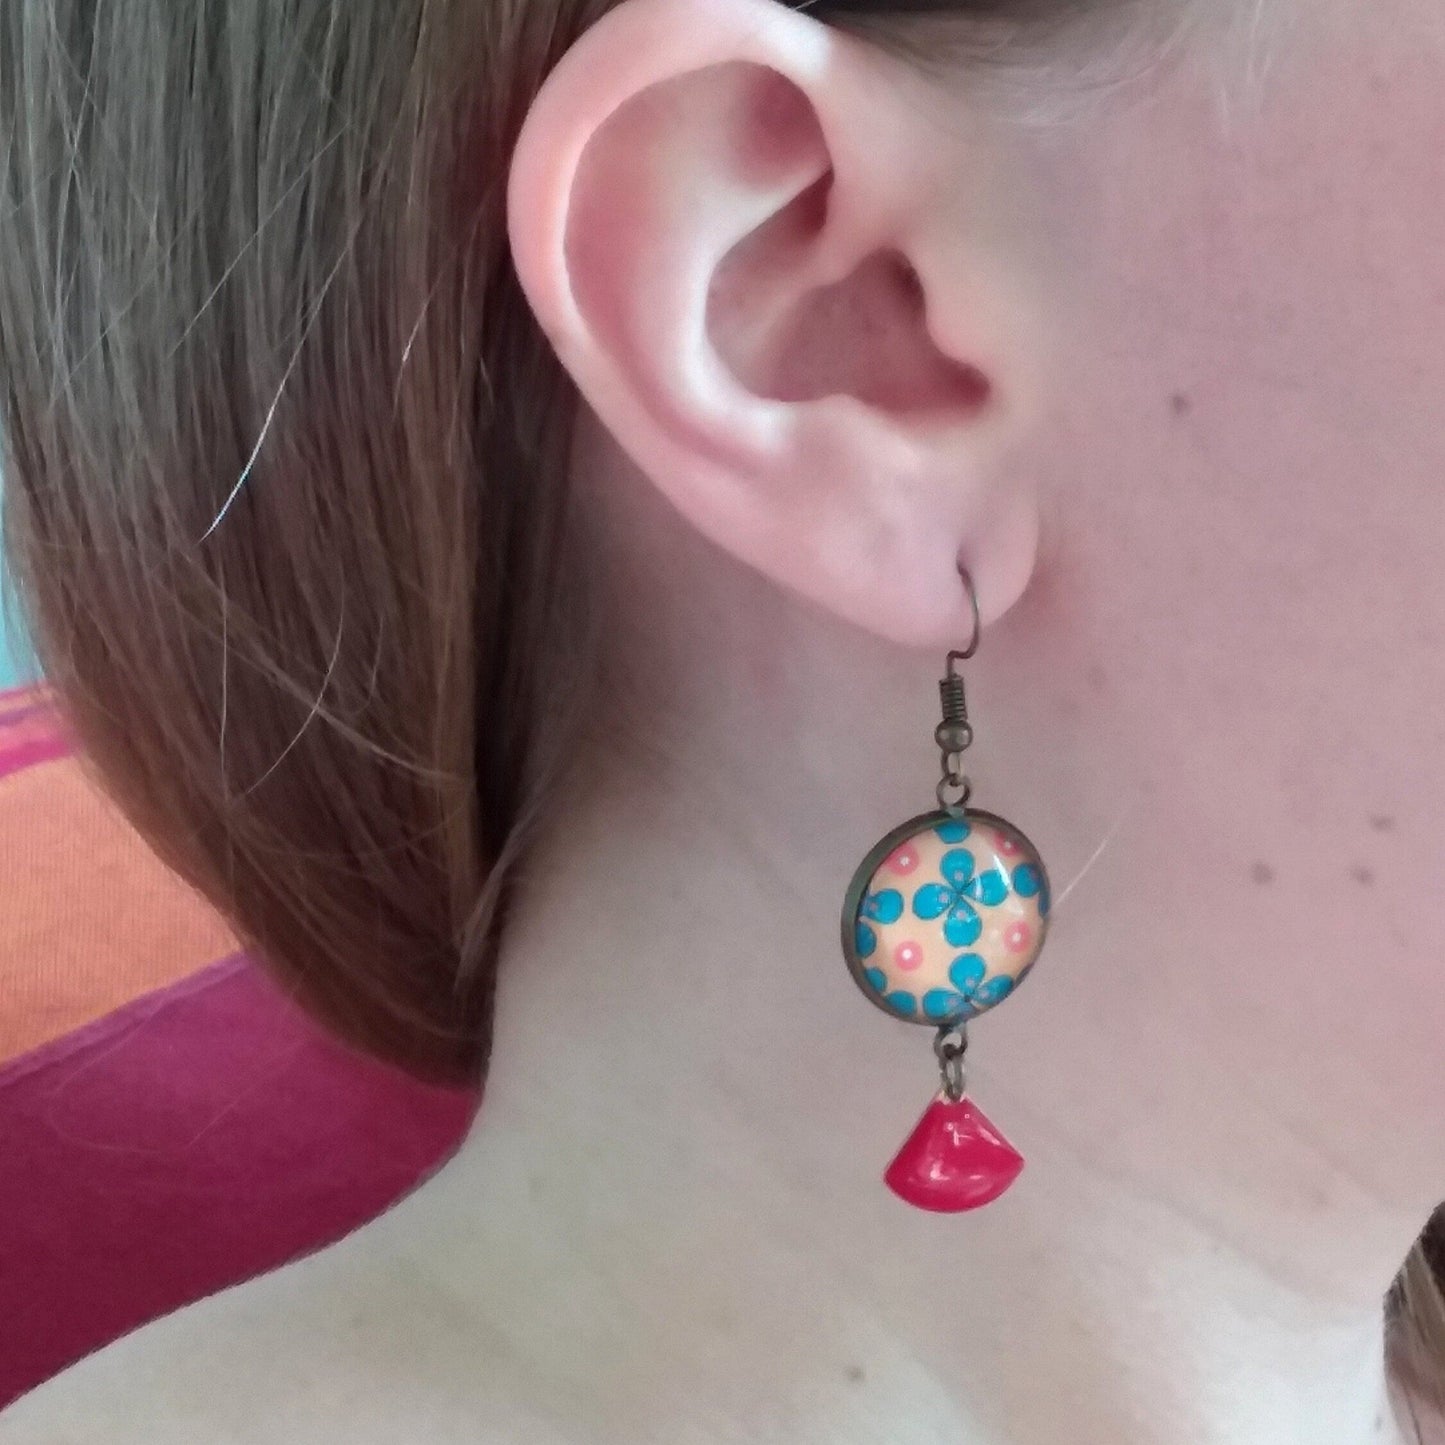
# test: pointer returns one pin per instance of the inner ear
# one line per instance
(787, 338)
(865, 336)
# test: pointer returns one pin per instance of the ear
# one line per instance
(770, 256)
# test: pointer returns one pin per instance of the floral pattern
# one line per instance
(953, 899)
(1029, 881)
(882, 907)
(952, 920)
(973, 992)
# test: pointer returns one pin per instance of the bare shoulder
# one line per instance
(345, 1346)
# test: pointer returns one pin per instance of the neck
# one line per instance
(671, 1207)
(673, 1186)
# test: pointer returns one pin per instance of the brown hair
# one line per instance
(287, 454)
(287, 462)
(287, 491)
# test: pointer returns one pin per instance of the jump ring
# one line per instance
(952, 805)
(951, 1063)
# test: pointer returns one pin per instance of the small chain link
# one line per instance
(954, 802)
(950, 1053)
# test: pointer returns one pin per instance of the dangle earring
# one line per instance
(942, 922)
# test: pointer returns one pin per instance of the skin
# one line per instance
(1202, 505)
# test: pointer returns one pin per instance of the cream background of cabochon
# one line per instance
(913, 954)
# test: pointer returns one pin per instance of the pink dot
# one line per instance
(903, 860)
(1008, 846)
(908, 956)
(1017, 937)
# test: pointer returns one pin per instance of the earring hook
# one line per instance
(957, 656)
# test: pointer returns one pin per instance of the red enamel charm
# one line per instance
(955, 1160)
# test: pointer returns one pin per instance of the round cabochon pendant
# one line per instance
(946, 916)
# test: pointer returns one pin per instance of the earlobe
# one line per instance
(715, 216)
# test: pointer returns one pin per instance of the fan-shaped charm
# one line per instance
(954, 1161)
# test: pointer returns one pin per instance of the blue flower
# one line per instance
(900, 1000)
(1029, 882)
(962, 883)
(885, 906)
(973, 992)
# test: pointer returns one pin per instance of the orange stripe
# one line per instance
(90, 918)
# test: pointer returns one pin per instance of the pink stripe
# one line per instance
(26, 700)
(115, 1139)
(120, 1021)
(31, 754)
(11, 719)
